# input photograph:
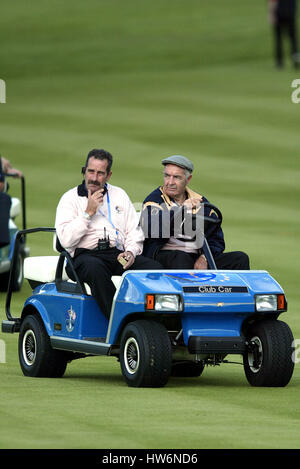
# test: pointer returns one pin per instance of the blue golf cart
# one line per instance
(162, 323)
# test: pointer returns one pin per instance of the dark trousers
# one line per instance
(176, 259)
(96, 268)
(285, 26)
(5, 203)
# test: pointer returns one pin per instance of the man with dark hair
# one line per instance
(283, 17)
(169, 238)
(5, 200)
(100, 155)
(99, 227)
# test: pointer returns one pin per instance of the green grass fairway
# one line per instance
(145, 80)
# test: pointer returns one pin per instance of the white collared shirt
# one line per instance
(76, 231)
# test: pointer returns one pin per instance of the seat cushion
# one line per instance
(43, 268)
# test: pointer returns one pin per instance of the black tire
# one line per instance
(36, 356)
(145, 354)
(268, 361)
(187, 369)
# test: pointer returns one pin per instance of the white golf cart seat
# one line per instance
(42, 269)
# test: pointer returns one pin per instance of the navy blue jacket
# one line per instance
(157, 207)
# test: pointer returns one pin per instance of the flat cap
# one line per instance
(179, 160)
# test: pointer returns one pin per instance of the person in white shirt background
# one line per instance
(99, 227)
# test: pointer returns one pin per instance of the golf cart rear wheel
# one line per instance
(268, 359)
(36, 356)
(145, 354)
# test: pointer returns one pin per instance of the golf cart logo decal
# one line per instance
(215, 289)
(71, 318)
(192, 277)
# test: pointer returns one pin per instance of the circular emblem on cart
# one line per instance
(192, 276)
(71, 318)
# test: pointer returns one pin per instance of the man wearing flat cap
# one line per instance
(168, 219)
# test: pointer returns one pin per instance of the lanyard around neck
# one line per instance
(109, 213)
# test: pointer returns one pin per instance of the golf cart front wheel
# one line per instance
(145, 354)
(268, 359)
(36, 356)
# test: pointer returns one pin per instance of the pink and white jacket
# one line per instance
(120, 222)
